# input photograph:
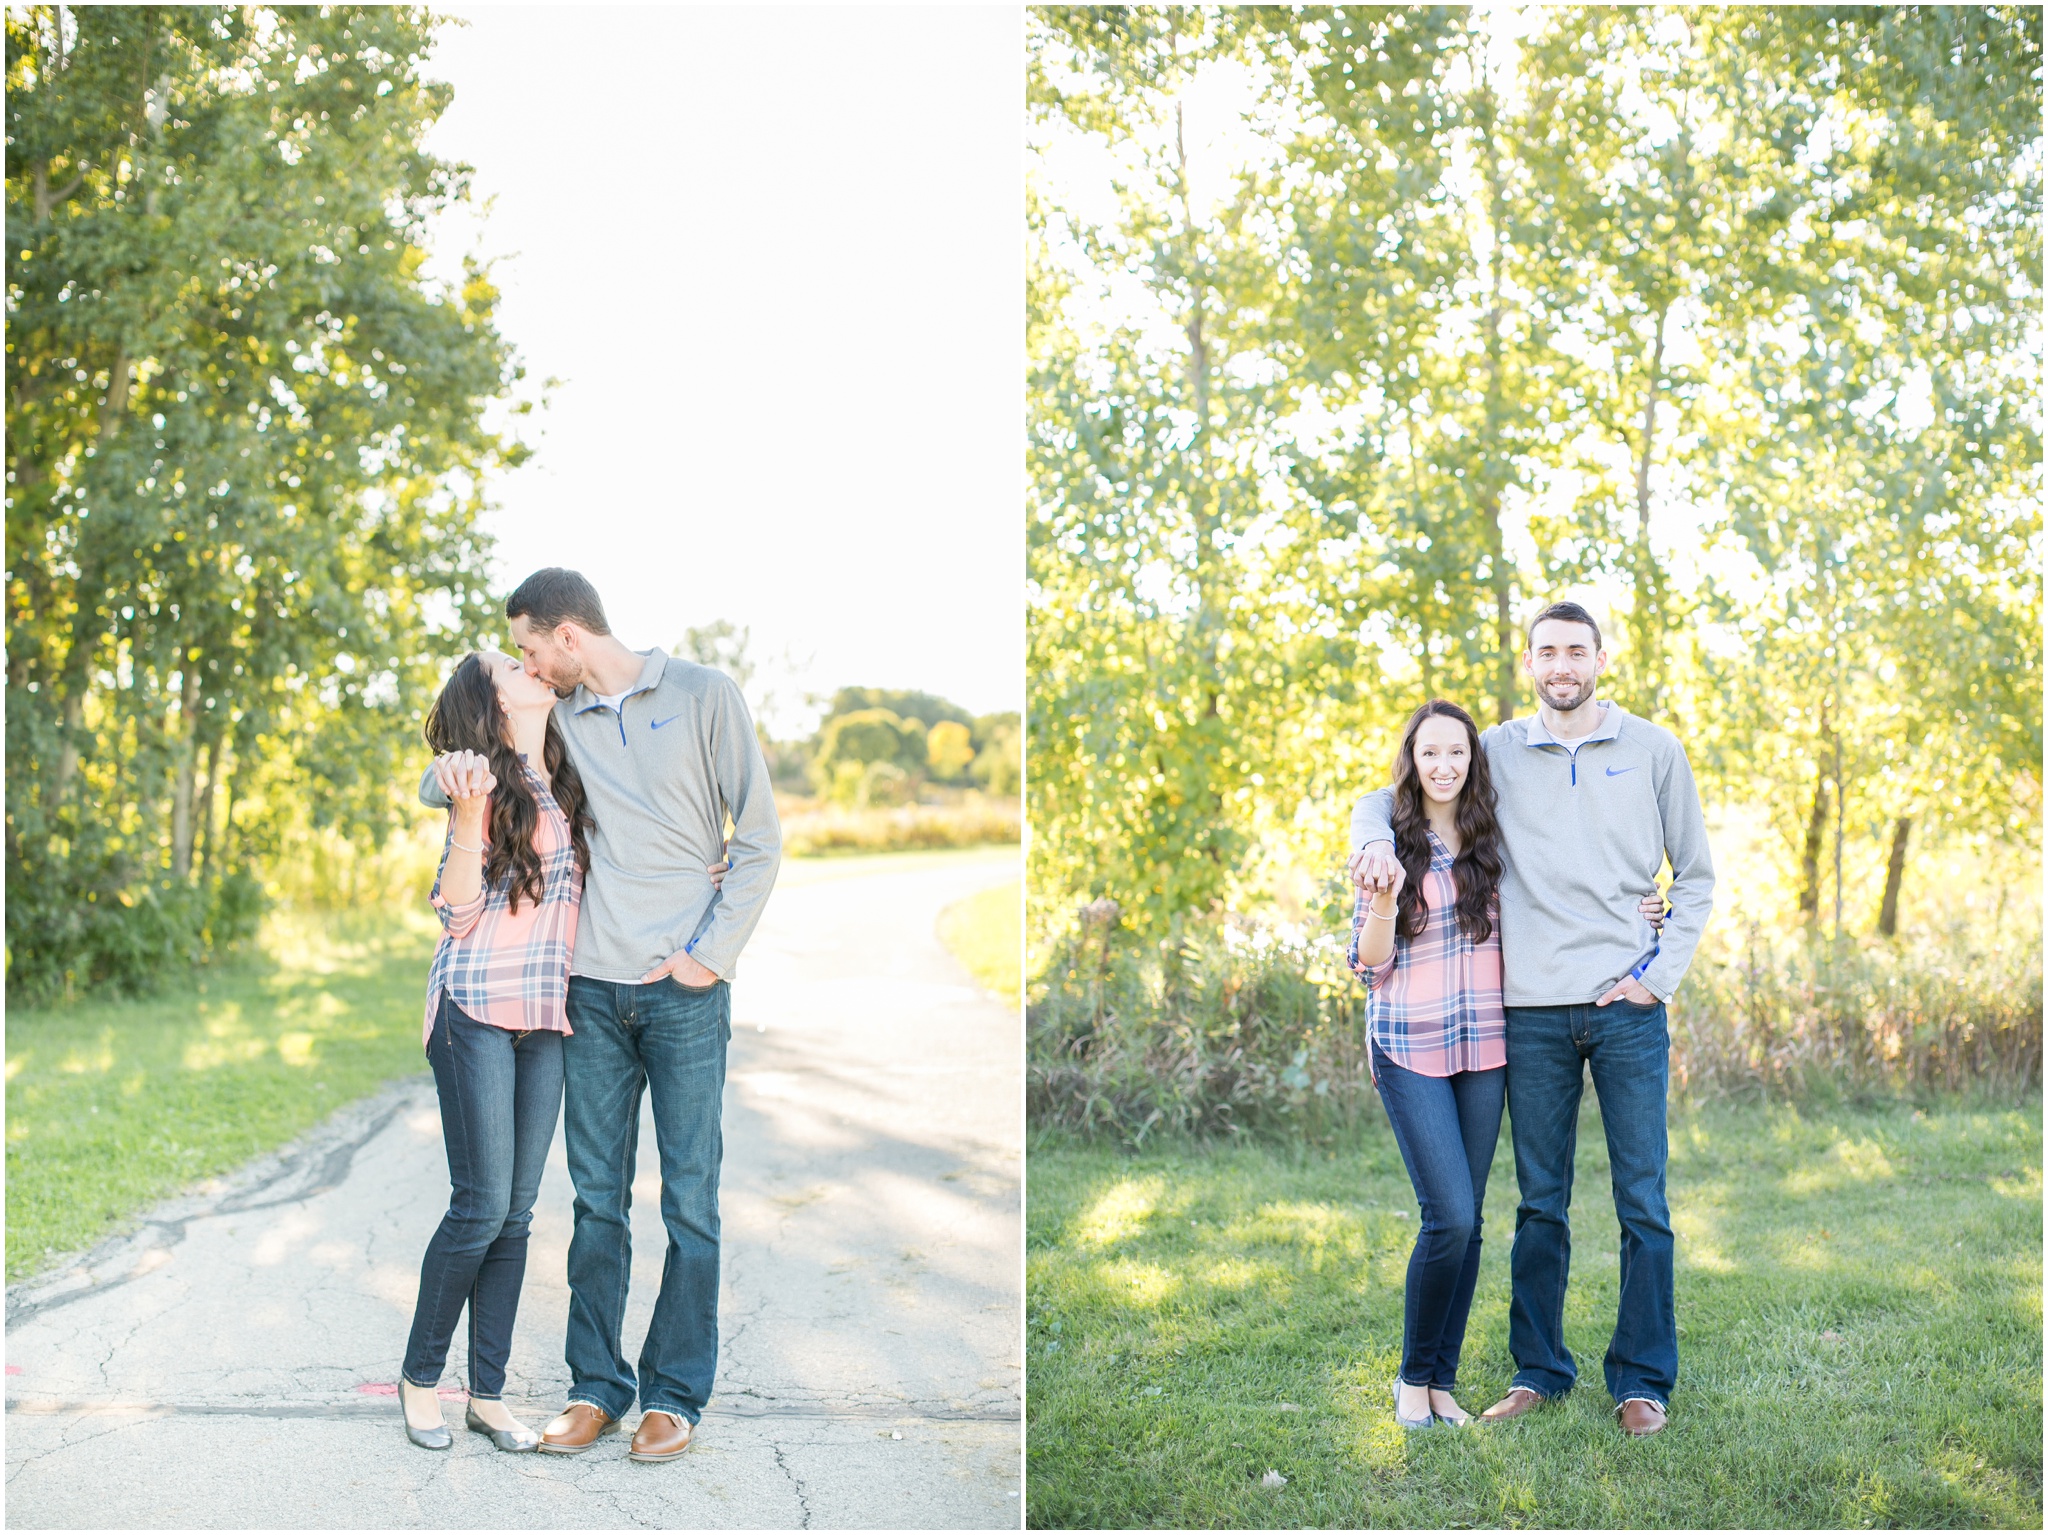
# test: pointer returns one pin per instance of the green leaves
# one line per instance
(1355, 333)
(246, 435)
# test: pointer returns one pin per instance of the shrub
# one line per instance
(1235, 1027)
(865, 738)
(1224, 1029)
(999, 766)
(83, 927)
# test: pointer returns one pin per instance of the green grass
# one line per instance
(1859, 1308)
(985, 933)
(113, 1105)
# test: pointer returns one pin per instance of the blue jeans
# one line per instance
(670, 1040)
(1628, 1048)
(499, 1093)
(1446, 1128)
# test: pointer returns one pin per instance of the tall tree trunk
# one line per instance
(75, 681)
(86, 628)
(1203, 502)
(226, 857)
(1649, 582)
(203, 847)
(1894, 877)
(1205, 498)
(1496, 469)
(1840, 803)
(188, 769)
(1809, 859)
(117, 395)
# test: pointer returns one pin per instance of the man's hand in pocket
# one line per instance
(1629, 989)
(681, 967)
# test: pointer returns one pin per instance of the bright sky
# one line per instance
(774, 256)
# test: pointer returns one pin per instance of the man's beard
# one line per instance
(1566, 706)
(564, 689)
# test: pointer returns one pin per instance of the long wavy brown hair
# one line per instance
(468, 717)
(1478, 868)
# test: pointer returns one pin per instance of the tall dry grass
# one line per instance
(814, 828)
(1237, 1029)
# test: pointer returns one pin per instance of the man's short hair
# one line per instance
(1564, 612)
(549, 598)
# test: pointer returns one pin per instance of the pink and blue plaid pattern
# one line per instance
(505, 968)
(1436, 1003)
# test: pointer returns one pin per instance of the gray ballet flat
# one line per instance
(1427, 1420)
(514, 1441)
(425, 1438)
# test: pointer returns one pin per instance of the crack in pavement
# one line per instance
(795, 1483)
(332, 1170)
(260, 1333)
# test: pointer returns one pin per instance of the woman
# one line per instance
(508, 894)
(1428, 946)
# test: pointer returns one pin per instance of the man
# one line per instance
(1592, 803)
(667, 754)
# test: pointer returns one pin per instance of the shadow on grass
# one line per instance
(1858, 1301)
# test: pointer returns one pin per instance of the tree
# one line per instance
(1729, 312)
(869, 754)
(246, 457)
(1879, 443)
(949, 749)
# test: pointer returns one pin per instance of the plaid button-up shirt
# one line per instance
(510, 968)
(1436, 1003)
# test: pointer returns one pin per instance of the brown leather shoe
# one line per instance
(660, 1436)
(577, 1429)
(1519, 1400)
(1641, 1417)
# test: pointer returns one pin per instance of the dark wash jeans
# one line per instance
(670, 1040)
(499, 1092)
(1628, 1048)
(1446, 1128)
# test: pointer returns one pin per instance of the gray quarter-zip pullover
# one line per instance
(661, 774)
(1585, 826)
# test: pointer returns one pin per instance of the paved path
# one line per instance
(229, 1366)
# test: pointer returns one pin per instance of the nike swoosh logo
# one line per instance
(657, 724)
(1617, 772)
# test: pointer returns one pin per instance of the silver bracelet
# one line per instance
(466, 847)
(1383, 916)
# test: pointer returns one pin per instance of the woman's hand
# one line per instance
(467, 780)
(1654, 908)
(465, 777)
(719, 870)
(1376, 930)
(1369, 866)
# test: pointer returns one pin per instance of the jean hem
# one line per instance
(1641, 1396)
(1520, 1384)
(420, 1385)
(674, 1412)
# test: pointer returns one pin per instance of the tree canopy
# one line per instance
(1356, 333)
(247, 451)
